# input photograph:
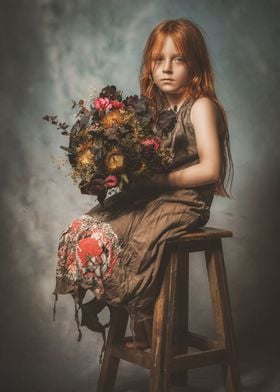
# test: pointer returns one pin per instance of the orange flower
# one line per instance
(111, 117)
(114, 160)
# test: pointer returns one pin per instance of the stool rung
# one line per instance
(202, 342)
(199, 359)
(138, 357)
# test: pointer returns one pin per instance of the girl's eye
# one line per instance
(175, 59)
(179, 59)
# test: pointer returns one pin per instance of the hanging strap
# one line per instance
(101, 327)
(104, 326)
(76, 312)
(54, 305)
(103, 346)
(76, 300)
(132, 324)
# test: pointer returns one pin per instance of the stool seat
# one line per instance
(202, 233)
(169, 358)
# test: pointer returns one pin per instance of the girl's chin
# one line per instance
(170, 90)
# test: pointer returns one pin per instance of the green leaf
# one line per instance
(65, 148)
(124, 178)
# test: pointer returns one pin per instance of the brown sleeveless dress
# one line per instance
(139, 224)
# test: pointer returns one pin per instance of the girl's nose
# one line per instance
(167, 65)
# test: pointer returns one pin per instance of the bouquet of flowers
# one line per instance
(113, 142)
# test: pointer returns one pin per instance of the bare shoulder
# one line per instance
(205, 119)
(205, 109)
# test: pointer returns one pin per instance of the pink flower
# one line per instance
(117, 104)
(102, 103)
(111, 181)
(153, 143)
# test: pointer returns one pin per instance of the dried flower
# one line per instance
(94, 186)
(84, 153)
(114, 160)
(114, 142)
(131, 100)
(111, 118)
(117, 104)
(111, 181)
(111, 93)
(153, 143)
(102, 103)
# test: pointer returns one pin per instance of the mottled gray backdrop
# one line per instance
(53, 51)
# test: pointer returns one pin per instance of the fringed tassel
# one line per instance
(104, 337)
(103, 346)
(77, 316)
(131, 326)
(54, 305)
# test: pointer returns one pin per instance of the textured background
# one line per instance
(52, 51)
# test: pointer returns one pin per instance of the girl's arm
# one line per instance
(205, 117)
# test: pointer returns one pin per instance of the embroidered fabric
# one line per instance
(88, 250)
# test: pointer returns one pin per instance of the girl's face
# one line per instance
(169, 69)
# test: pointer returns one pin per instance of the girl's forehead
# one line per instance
(161, 42)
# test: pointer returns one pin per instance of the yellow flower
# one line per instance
(114, 160)
(84, 154)
(114, 116)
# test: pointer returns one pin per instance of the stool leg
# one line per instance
(223, 316)
(110, 364)
(163, 327)
(180, 379)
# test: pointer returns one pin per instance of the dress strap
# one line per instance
(186, 108)
(188, 111)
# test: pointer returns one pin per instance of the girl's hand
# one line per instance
(160, 179)
(154, 181)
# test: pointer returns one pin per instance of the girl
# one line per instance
(124, 240)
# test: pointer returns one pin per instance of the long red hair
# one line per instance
(189, 41)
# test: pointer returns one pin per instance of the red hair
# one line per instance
(189, 41)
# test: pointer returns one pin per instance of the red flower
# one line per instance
(88, 247)
(153, 143)
(111, 181)
(117, 104)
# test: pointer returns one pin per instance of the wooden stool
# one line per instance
(168, 358)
